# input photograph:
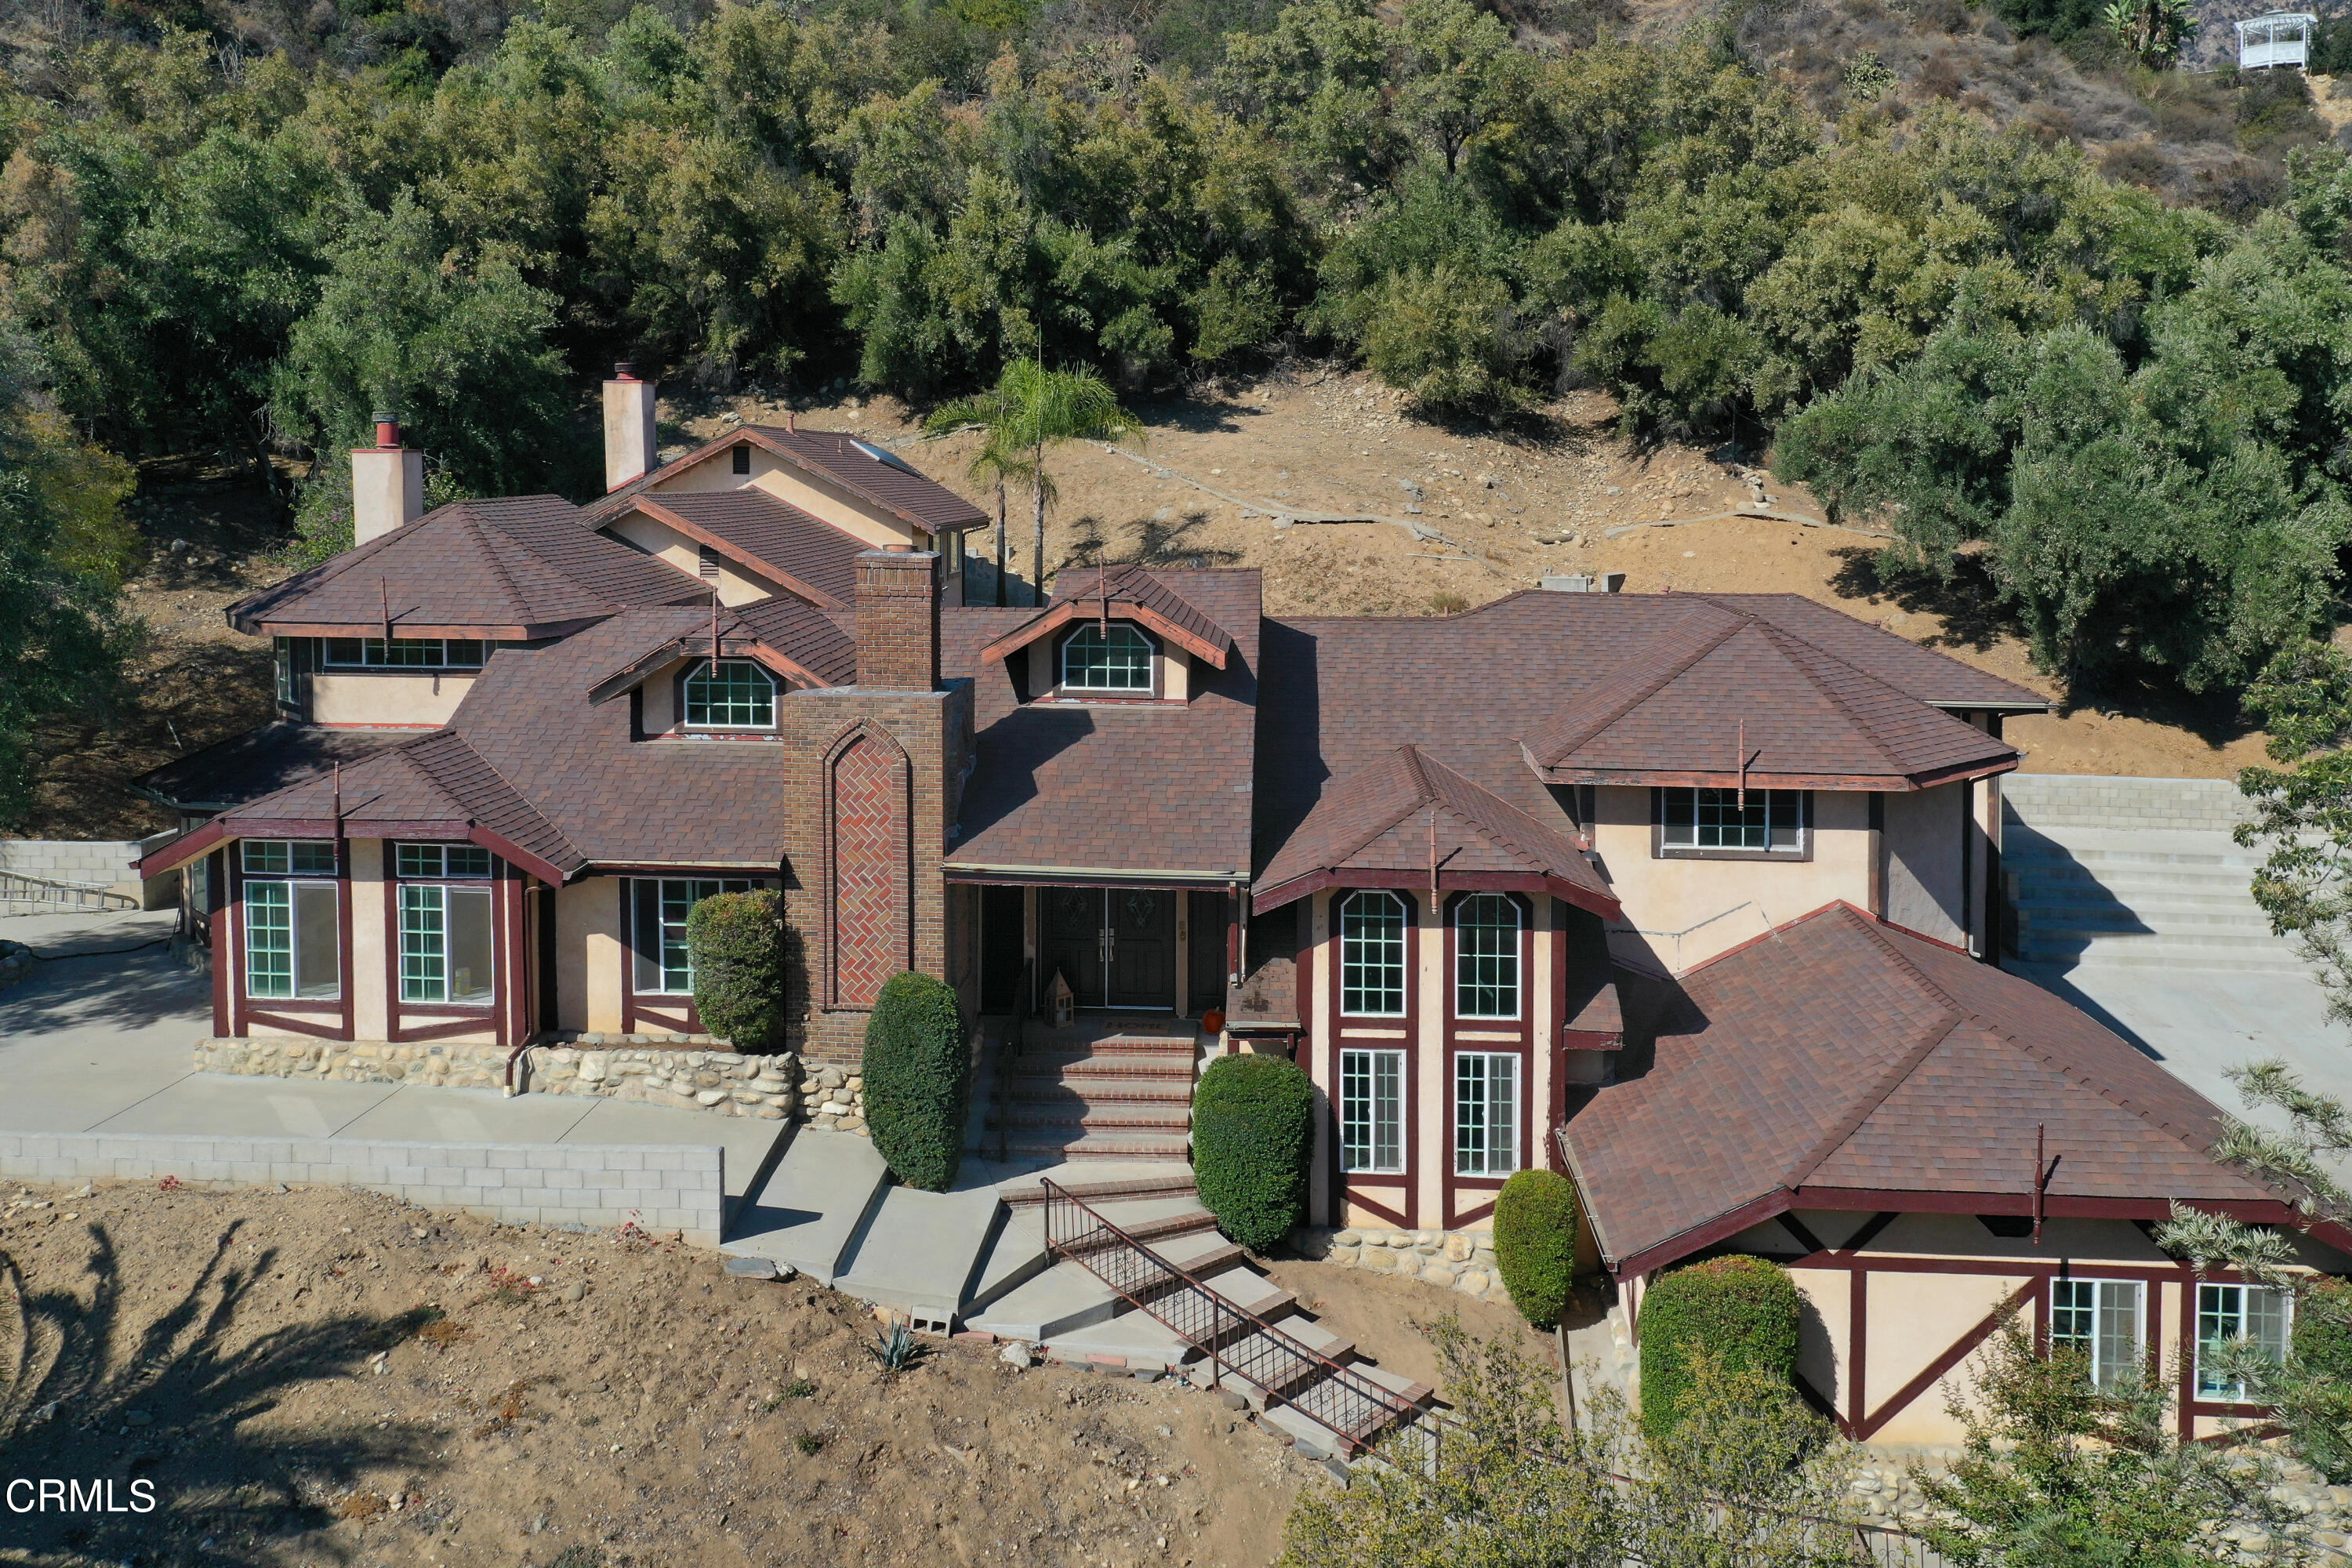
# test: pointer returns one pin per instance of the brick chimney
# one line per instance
(898, 619)
(629, 446)
(387, 483)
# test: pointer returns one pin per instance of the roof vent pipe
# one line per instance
(630, 448)
(387, 483)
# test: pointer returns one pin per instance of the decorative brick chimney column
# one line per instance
(387, 483)
(898, 619)
(630, 447)
(874, 773)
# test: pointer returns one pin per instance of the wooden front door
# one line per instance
(1142, 922)
(1073, 942)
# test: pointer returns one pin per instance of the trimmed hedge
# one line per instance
(1535, 1243)
(917, 1080)
(1740, 1311)
(1253, 1136)
(737, 941)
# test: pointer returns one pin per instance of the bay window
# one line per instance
(664, 964)
(1371, 1111)
(1372, 956)
(1486, 957)
(293, 932)
(448, 929)
(1486, 1113)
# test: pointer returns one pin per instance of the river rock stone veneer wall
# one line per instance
(1459, 1260)
(682, 1071)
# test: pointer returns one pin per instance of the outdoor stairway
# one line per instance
(1090, 1094)
(2148, 899)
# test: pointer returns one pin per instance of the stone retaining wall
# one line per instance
(1462, 1260)
(659, 1187)
(2094, 800)
(16, 964)
(674, 1075)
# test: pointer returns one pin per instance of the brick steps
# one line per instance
(1125, 1095)
(1113, 1114)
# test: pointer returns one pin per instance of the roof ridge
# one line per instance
(490, 551)
(521, 799)
(1477, 821)
(1561, 745)
(1937, 653)
(1776, 635)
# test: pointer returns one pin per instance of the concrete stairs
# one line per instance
(2140, 898)
(1095, 1092)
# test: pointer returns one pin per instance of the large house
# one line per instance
(1695, 895)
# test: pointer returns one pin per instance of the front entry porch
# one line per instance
(1141, 949)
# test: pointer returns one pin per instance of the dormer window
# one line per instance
(1120, 661)
(731, 694)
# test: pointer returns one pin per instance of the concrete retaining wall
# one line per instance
(661, 1187)
(2096, 800)
(716, 1080)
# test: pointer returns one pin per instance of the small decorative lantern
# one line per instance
(1061, 1004)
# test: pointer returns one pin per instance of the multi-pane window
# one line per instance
(1486, 957)
(1772, 820)
(1372, 956)
(282, 651)
(665, 965)
(445, 944)
(2258, 1314)
(404, 653)
(731, 694)
(1486, 1113)
(1371, 1110)
(1118, 662)
(2099, 1319)
(438, 860)
(293, 937)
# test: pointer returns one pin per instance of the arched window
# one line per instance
(1121, 662)
(1486, 957)
(731, 694)
(1372, 956)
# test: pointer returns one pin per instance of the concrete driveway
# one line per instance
(98, 1040)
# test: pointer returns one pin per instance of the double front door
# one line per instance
(1116, 946)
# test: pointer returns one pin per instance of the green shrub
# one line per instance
(1740, 1311)
(1535, 1243)
(1253, 1135)
(737, 941)
(917, 1080)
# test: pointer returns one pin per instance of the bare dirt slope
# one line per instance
(1507, 509)
(330, 1377)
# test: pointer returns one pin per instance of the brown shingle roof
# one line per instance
(766, 534)
(1407, 812)
(1129, 788)
(867, 470)
(248, 766)
(1126, 589)
(527, 566)
(1850, 1056)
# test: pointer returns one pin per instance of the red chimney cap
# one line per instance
(625, 369)
(387, 432)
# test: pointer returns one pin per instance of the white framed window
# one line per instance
(1772, 822)
(2259, 1314)
(403, 653)
(1486, 1113)
(664, 964)
(282, 651)
(1371, 1111)
(288, 857)
(1372, 956)
(447, 944)
(293, 939)
(2100, 1319)
(731, 694)
(1486, 957)
(1120, 661)
(436, 862)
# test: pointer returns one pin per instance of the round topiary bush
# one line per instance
(917, 1080)
(1535, 1243)
(1253, 1135)
(737, 941)
(1741, 1311)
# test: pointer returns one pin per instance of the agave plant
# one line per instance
(897, 1348)
(2155, 31)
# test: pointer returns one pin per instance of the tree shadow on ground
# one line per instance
(94, 1388)
(1969, 600)
(107, 991)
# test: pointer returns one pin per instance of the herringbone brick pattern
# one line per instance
(869, 838)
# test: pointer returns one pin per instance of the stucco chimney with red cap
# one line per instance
(629, 447)
(387, 483)
(898, 619)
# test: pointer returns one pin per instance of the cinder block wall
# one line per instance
(93, 862)
(661, 1187)
(2099, 800)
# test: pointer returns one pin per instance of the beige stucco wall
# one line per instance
(1427, 1161)
(386, 697)
(370, 1000)
(590, 950)
(1687, 911)
(666, 544)
(1923, 847)
(796, 486)
(1321, 1200)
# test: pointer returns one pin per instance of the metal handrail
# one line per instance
(83, 894)
(1312, 1370)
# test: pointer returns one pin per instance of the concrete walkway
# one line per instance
(99, 1043)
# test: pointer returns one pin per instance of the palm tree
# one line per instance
(2155, 31)
(1028, 410)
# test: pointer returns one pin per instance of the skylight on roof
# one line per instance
(882, 456)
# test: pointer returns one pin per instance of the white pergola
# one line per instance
(2282, 38)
